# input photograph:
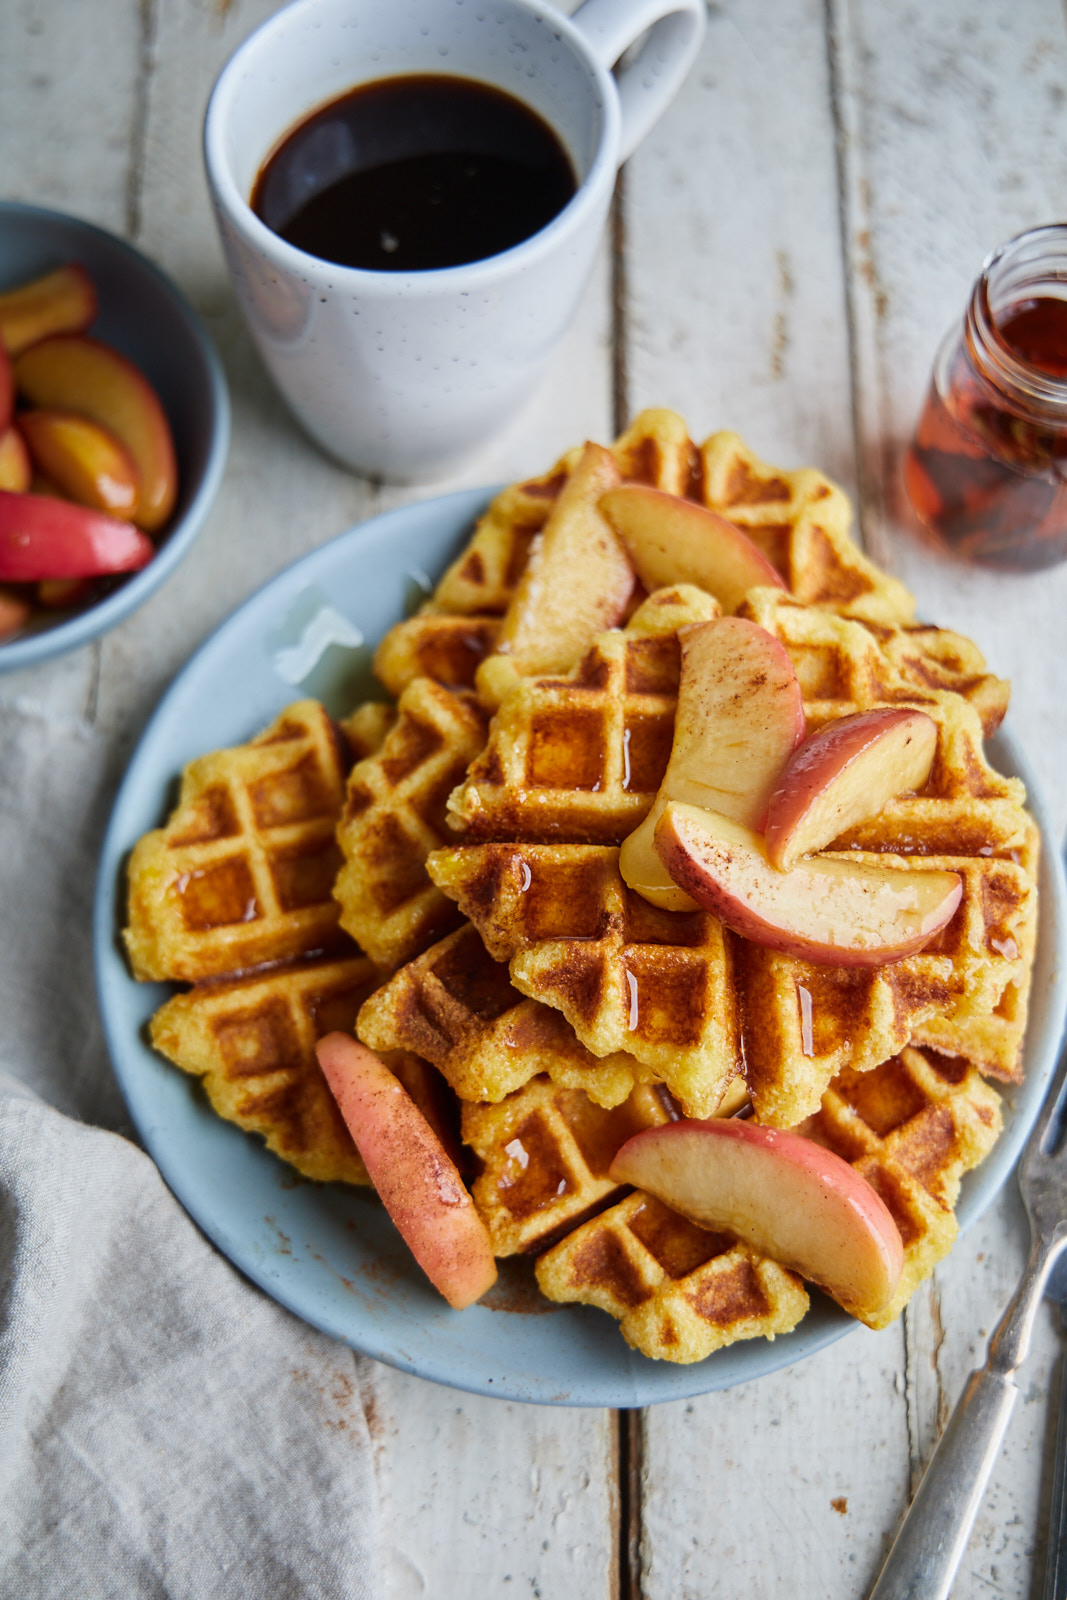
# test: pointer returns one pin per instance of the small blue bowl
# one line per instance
(147, 318)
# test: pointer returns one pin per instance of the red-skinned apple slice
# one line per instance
(833, 911)
(73, 373)
(85, 461)
(16, 468)
(63, 301)
(671, 540)
(45, 538)
(844, 775)
(740, 717)
(408, 1165)
(789, 1198)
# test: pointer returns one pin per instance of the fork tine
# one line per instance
(1051, 1109)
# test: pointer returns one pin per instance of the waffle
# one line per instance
(252, 1042)
(393, 816)
(457, 1007)
(365, 728)
(912, 1127)
(800, 521)
(678, 1291)
(693, 1003)
(580, 757)
(544, 1154)
(242, 872)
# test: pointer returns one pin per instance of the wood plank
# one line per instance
(972, 99)
(737, 318)
(478, 1494)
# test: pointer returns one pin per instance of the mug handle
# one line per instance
(648, 84)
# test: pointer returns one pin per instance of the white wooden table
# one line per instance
(787, 249)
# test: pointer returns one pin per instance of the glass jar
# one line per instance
(987, 469)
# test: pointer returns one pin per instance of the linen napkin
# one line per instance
(165, 1428)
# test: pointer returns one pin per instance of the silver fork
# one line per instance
(933, 1536)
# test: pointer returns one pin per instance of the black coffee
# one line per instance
(407, 174)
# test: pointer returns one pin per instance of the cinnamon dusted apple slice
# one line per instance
(740, 717)
(85, 461)
(45, 538)
(576, 584)
(671, 540)
(63, 301)
(16, 469)
(72, 373)
(844, 775)
(419, 1185)
(791, 1199)
(838, 912)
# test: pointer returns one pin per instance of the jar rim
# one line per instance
(1017, 269)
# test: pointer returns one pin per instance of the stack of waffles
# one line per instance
(457, 899)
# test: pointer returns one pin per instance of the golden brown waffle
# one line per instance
(545, 1153)
(580, 757)
(678, 1291)
(366, 727)
(693, 1003)
(457, 1007)
(252, 1041)
(394, 815)
(800, 520)
(242, 872)
(447, 649)
(912, 1127)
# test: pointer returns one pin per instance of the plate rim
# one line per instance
(636, 1382)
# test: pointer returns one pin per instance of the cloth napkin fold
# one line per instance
(165, 1428)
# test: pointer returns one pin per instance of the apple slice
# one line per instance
(63, 301)
(791, 1199)
(72, 373)
(740, 717)
(844, 775)
(837, 912)
(7, 391)
(577, 583)
(45, 538)
(671, 540)
(14, 613)
(16, 468)
(85, 462)
(419, 1185)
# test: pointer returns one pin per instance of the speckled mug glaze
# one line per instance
(400, 375)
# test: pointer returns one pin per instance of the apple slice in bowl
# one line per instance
(793, 1200)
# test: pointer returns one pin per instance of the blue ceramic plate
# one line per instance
(327, 1252)
(146, 318)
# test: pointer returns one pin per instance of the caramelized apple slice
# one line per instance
(63, 301)
(844, 775)
(740, 717)
(671, 540)
(72, 373)
(14, 613)
(577, 582)
(7, 391)
(45, 538)
(16, 468)
(418, 1184)
(85, 462)
(791, 1199)
(840, 913)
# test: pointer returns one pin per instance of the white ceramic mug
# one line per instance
(401, 374)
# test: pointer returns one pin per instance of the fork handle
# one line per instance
(928, 1548)
(1056, 1552)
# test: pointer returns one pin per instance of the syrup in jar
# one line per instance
(987, 469)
